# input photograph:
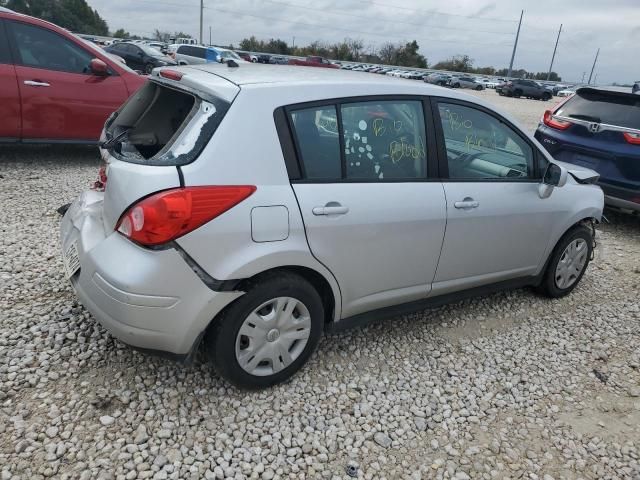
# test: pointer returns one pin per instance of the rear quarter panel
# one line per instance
(245, 151)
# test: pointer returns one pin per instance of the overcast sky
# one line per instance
(483, 29)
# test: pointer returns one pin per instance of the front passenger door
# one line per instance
(497, 225)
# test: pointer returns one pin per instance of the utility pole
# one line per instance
(201, 14)
(209, 35)
(595, 80)
(554, 53)
(293, 44)
(583, 74)
(594, 65)
(515, 45)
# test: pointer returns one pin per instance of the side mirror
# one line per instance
(99, 68)
(554, 176)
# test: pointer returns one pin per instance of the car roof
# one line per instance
(253, 74)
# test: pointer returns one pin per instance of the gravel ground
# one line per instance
(509, 386)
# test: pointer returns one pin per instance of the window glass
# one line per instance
(41, 48)
(480, 146)
(603, 107)
(384, 140)
(5, 55)
(316, 131)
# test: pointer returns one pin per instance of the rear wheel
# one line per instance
(148, 68)
(517, 93)
(568, 263)
(479, 87)
(546, 96)
(268, 334)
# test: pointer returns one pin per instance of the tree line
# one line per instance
(78, 16)
(74, 15)
(398, 54)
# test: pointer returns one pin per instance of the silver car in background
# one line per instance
(251, 209)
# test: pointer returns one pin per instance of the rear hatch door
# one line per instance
(596, 137)
(162, 127)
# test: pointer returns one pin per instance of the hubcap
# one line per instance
(571, 263)
(273, 336)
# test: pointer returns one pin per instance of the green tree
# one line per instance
(457, 63)
(74, 15)
(121, 33)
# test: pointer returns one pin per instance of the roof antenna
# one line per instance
(232, 64)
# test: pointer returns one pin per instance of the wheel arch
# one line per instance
(586, 218)
(330, 298)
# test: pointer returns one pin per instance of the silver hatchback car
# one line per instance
(253, 208)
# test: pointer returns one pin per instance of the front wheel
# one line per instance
(478, 88)
(517, 93)
(568, 262)
(546, 96)
(268, 334)
(148, 68)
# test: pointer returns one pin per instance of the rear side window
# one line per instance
(618, 110)
(367, 141)
(316, 131)
(41, 48)
(384, 140)
(161, 125)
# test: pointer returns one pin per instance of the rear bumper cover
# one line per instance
(620, 197)
(149, 299)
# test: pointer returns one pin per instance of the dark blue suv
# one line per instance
(599, 129)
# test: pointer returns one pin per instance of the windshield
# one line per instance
(603, 107)
(229, 54)
(154, 52)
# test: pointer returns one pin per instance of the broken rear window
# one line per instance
(162, 125)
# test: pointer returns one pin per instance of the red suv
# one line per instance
(54, 86)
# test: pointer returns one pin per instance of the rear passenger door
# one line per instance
(371, 212)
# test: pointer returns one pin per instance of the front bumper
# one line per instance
(149, 299)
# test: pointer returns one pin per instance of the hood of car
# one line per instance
(581, 174)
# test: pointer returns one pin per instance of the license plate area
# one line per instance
(71, 260)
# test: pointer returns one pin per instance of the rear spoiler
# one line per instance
(608, 93)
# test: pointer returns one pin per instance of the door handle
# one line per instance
(36, 83)
(331, 208)
(467, 203)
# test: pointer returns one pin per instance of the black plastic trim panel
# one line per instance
(213, 283)
(373, 316)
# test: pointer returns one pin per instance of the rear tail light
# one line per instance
(509, 84)
(633, 138)
(167, 215)
(551, 121)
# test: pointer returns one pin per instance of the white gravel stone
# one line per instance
(495, 387)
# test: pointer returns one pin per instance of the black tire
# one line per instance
(148, 68)
(549, 286)
(456, 85)
(517, 93)
(479, 87)
(546, 96)
(220, 341)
